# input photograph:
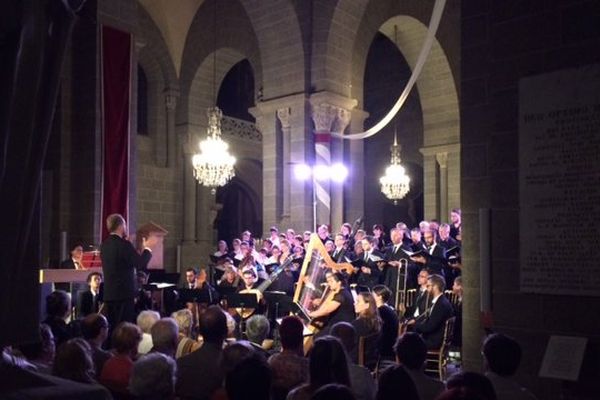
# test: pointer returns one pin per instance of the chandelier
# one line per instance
(395, 184)
(213, 166)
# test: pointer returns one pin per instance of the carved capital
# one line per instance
(324, 115)
(341, 121)
(442, 159)
(171, 96)
(283, 114)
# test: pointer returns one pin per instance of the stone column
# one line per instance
(436, 192)
(171, 95)
(337, 153)
(283, 114)
(189, 192)
(330, 112)
(355, 186)
(442, 160)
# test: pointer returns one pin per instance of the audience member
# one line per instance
(94, 328)
(41, 353)
(185, 344)
(74, 362)
(396, 380)
(58, 308)
(249, 379)
(145, 320)
(153, 377)
(411, 353)
(327, 363)
(204, 362)
(502, 356)
(360, 377)
(333, 391)
(165, 336)
(257, 329)
(473, 384)
(117, 370)
(289, 367)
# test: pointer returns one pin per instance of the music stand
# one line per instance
(195, 296)
(243, 301)
(225, 291)
(280, 302)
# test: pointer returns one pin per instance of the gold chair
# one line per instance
(437, 360)
(452, 297)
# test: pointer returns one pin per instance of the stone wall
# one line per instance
(503, 42)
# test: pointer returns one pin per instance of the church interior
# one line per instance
(105, 102)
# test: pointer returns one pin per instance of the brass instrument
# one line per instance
(401, 297)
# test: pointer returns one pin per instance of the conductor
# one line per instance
(119, 263)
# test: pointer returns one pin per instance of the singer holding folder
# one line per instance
(119, 263)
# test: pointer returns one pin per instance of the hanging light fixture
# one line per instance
(395, 184)
(213, 166)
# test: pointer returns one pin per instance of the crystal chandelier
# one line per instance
(395, 184)
(213, 166)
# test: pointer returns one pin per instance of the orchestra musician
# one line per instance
(337, 304)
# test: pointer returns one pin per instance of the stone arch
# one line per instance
(437, 85)
(283, 42)
(236, 40)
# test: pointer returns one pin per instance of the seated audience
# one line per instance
(153, 377)
(502, 356)
(249, 379)
(41, 353)
(360, 377)
(289, 367)
(145, 320)
(257, 329)
(333, 391)
(411, 353)
(473, 384)
(395, 380)
(94, 328)
(74, 362)
(203, 362)
(58, 308)
(165, 337)
(185, 344)
(117, 370)
(327, 363)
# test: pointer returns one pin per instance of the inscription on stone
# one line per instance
(559, 182)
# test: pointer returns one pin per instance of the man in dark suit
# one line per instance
(199, 373)
(88, 302)
(340, 253)
(119, 263)
(74, 262)
(433, 256)
(393, 256)
(431, 325)
(371, 270)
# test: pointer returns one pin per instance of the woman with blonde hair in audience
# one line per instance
(185, 344)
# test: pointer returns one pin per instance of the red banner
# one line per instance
(116, 83)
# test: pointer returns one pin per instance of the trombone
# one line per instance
(401, 294)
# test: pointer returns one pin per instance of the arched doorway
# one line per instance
(383, 83)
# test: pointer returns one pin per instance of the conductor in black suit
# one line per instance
(432, 323)
(119, 262)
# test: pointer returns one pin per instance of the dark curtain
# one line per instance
(116, 66)
(33, 38)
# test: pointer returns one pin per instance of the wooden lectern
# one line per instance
(152, 229)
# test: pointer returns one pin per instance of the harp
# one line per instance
(312, 275)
